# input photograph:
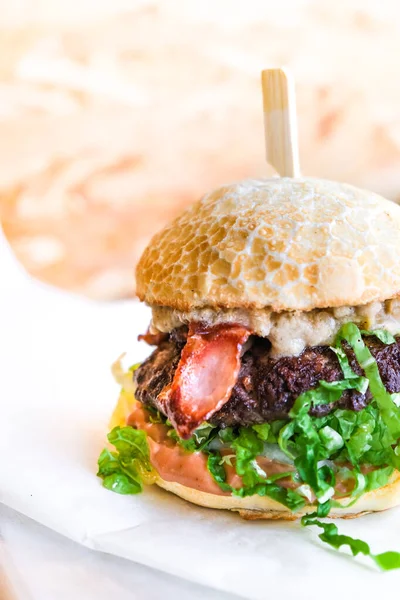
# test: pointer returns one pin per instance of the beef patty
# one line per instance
(267, 387)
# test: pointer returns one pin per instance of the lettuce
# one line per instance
(264, 432)
(215, 466)
(254, 481)
(289, 498)
(378, 478)
(330, 535)
(388, 409)
(248, 445)
(367, 436)
(199, 440)
(124, 471)
(384, 336)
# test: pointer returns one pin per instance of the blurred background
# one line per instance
(116, 114)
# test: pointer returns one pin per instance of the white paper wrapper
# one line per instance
(37, 563)
(56, 396)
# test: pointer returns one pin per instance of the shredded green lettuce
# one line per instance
(389, 411)
(384, 336)
(199, 440)
(264, 432)
(215, 466)
(330, 535)
(256, 482)
(367, 438)
(123, 471)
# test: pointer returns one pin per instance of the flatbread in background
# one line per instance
(113, 119)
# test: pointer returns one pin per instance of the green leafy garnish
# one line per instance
(255, 482)
(347, 371)
(384, 336)
(227, 435)
(216, 467)
(289, 498)
(377, 478)
(199, 440)
(155, 416)
(264, 432)
(248, 447)
(330, 534)
(331, 439)
(123, 471)
(388, 409)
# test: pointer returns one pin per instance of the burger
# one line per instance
(273, 387)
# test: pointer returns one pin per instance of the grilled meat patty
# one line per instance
(267, 387)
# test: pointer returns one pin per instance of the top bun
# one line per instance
(282, 243)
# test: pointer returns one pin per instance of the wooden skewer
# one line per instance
(280, 122)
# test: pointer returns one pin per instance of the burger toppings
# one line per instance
(205, 375)
(328, 421)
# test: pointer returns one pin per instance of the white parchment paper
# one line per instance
(56, 396)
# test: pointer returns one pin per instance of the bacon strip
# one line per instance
(206, 373)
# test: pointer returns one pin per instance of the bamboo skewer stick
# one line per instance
(280, 122)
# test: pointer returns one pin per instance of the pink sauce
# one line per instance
(171, 461)
(174, 464)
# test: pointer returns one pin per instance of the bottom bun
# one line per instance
(262, 507)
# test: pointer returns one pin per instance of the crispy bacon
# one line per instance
(153, 339)
(206, 373)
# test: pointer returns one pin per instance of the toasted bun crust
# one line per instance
(288, 244)
(257, 507)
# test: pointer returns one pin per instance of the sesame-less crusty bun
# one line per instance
(287, 244)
